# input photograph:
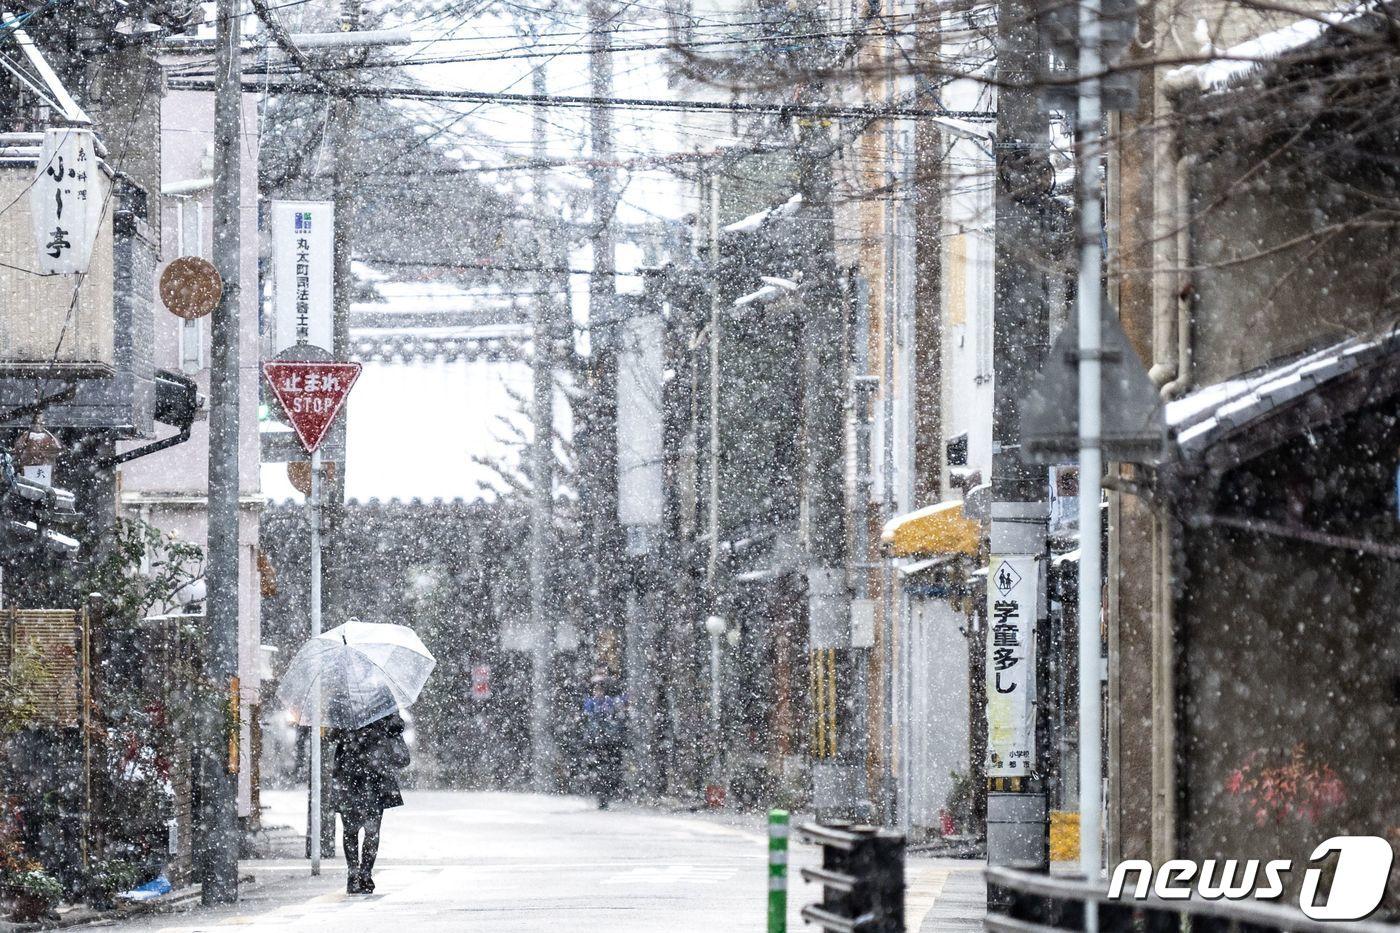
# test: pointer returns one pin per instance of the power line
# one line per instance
(511, 55)
(639, 103)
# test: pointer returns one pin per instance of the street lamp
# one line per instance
(36, 453)
(715, 626)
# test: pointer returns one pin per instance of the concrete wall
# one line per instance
(1288, 664)
(1277, 275)
(1287, 646)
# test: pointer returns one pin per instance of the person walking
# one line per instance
(364, 784)
(604, 734)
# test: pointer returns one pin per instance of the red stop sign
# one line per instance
(311, 394)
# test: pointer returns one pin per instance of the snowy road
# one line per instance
(518, 863)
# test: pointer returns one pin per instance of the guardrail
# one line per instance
(862, 878)
(1026, 902)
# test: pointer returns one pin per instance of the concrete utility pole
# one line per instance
(345, 142)
(892, 671)
(545, 755)
(838, 773)
(713, 589)
(1016, 805)
(217, 827)
(603, 326)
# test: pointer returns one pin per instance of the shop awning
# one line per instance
(914, 568)
(932, 531)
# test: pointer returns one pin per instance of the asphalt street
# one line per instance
(522, 863)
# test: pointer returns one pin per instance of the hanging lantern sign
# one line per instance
(36, 453)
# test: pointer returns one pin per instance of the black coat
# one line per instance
(364, 778)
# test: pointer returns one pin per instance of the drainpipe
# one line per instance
(1172, 338)
(1165, 572)
(1172, 345)
(1165, 224)
(1185, 292)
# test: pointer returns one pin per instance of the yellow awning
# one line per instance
(935, 529)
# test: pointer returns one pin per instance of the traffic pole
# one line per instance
(777, 870)
(312, 394)
(1090, 450)
(314, 514)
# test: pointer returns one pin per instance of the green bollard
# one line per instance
(777, 870)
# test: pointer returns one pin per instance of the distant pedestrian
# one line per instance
(364, 783)
(604, 733)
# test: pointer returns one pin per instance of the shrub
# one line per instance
(38, 884)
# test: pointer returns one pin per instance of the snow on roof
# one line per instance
(773, 287)
(766, 293)
(1197, 419)
(965, 128)
(364, 272)
(1239, 62)
(752, 222)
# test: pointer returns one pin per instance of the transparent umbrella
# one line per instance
(365, 671)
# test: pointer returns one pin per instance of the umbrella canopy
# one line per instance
(365, 671)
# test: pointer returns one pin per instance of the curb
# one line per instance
(168, 903)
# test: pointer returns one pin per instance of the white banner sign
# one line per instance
(1011, 611)
(66, 201)
(303, 268)
(640, 458)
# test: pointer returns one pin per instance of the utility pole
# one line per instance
(1017, 820)
(838, 773)
(603, 325)
(893, 672)
(217, 836)
(345, 145)
(713, 592)
(545, 755)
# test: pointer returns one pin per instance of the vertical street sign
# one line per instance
(1011, 615)
(312, 395)
(303, 271)
(65, 201)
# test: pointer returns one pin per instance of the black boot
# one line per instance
(353, 875)
(366, 883)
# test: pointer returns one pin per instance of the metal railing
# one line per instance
(862, 878)
(1026, 902)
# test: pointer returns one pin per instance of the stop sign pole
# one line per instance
(312, 395)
